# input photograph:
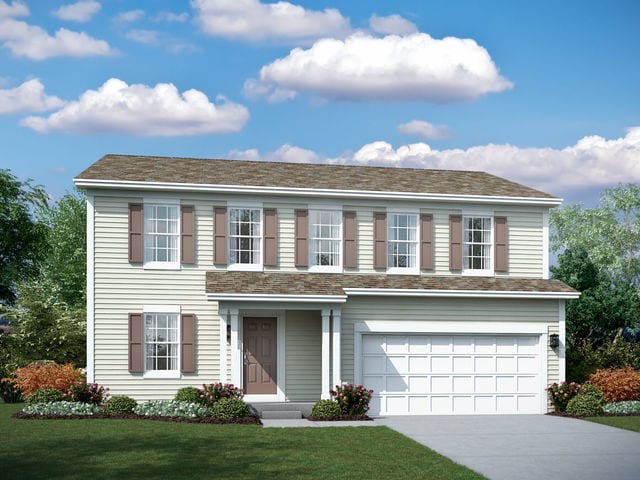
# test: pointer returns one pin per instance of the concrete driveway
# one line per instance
(523, 447)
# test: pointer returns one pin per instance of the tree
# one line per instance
(609, 233)
(65, 263)
(22, 238)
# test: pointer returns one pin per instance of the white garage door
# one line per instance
(452, 374)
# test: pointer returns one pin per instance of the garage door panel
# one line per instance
(452, 374)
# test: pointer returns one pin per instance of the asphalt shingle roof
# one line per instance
(298, 175)
(279, 283)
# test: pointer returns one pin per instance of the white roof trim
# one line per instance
(313, 192)
(397, 292)
(249, 297)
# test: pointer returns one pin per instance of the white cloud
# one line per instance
(420, 128)
(28, 97)
(592, 162)
(33, 42)
(392, 25)
(129, 16)
(141, 110)
(413, 68)
(78, 12)
(252, 20)
(147, 37)
(286, 153)
(254, 89)
(171, 17)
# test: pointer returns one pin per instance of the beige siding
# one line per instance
(361, 309)
(303, 355)
(553, 361)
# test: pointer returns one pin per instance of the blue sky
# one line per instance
(545, 93)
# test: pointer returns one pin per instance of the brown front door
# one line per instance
(260, 342)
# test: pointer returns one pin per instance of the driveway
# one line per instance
(523, 447)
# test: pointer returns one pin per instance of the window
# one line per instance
(245, 236)
(477, 243)
(161, 234)
(161, 342)
(402, 242)
(324, 236)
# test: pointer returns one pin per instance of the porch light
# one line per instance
(554, 340)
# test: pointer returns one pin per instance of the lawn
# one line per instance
(142, 449)
(628, 423)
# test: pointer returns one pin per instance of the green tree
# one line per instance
(609, 233)
(22, 237)
(65, 263)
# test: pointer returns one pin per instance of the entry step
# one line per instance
(281, 414)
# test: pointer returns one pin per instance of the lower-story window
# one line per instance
(161, 342)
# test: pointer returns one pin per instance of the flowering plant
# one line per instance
(560, 394)
(61, 408)
(87, 393)
(353, 399)
(210, 394)
(171, 408)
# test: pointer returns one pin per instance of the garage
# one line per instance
(446, 374)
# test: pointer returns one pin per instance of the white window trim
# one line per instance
(405, 270)
(162, 309)
(245, 267)
(325, 268)
(162, 202)
(475, 213)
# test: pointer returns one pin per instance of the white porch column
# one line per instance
(236, 354)
(336, 314)
(222, 313)
(324, 394)
(562, 348)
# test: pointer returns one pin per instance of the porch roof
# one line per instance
(264, 284)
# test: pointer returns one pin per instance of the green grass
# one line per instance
(628, 423)
(142, 449)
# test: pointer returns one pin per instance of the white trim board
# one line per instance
(91, 374)
(400, 292)
(248, 297)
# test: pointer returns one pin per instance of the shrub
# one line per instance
(630, 406)
(8, 391)
(229, 408)
(586, 356)
(188, 394)
(561, 394)
(617, 384)
(584, 406)
(210, 394)
(119, 405)
(45, 395)
(87, 393)
(353, 399)
(595, 392)
(171, 408)
(61, 408)
(326, 408)
(44, 374)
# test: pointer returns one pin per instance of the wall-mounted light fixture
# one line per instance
(554, 340)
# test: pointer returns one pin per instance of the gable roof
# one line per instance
(164, 172)
(226, 284)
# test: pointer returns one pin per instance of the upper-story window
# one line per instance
(161, 235)
(477, 244)
(402, 242)
(325, 240)
(245, 238)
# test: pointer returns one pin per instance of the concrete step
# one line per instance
(281, 414)
(302, 407)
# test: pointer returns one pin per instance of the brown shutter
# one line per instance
(455, 242)
(426, 241)
(270, 237)
(349, 247)
(220, 235)
(302, 242)
(136, 232)
(187, 234)
(187, 343)
(380, 240)
(136, 343)
(501, 263)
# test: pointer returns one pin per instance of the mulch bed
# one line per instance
(338, 418)
(243, 421)
(565, 414)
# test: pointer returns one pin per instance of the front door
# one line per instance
(260, 340)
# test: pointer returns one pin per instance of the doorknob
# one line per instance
(245, 359)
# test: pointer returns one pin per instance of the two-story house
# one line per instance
(429, 286)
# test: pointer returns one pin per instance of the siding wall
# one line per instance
(121, 288)
(303, 338)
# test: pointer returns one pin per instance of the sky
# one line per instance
(543, 93)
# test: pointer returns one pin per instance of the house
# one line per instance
(429, 286)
